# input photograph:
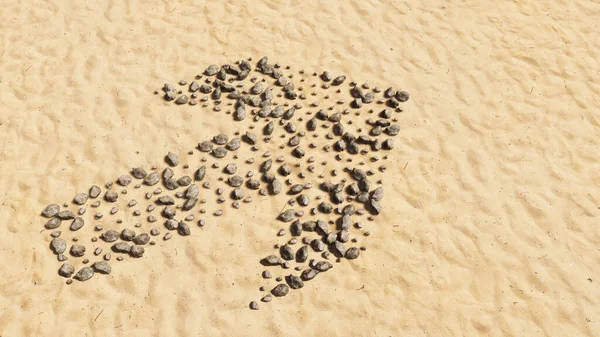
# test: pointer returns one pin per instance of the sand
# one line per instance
(489, 225)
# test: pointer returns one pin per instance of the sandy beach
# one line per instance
(488, 225)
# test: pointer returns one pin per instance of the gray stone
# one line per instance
(200, 173)
(231, 168)
(95, 191)
(58, 245)
(169, 212)
(137, 251)
(65, 215)
(77, 250)
(152, 179)
(309, 274)
(266, 165)
(211, 70)
(287, 252)
(141, 239)
(80, 199)
(287, 215)
(184, 181)
(66, 270)
(165, 200)
(295, 282)
(235, 181)
(302, 254)
(101, 267)
(234, 144)
(183, 99)
(192, 192)
(111, 196)
(219, 152)
(183, 229)
(171, 224)
(77, 224)
(110, 236)
(205, 146)
(220, 139)
(53, 223)
(275, 187)
(338, 80)
(127, 234)
(323, 266)
(237, 194)
(280, 290)
(124, 180)
(189, 204)
(51, 210)
(402, 96)
(84, 274)
(352, 253)
(272, 260)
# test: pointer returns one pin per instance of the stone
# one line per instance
(127, 234)
(231, 168)
(254, 305)
(184, 181)
(183, 99)
(323, 266)
(326, 76)
(280, 290)
(58, 246)
(65, 215)
(235, 181)
(205, 146)
(66, 270)
(233, 144)
(137, 251)
(152, 179)
(220, 139)
(53, 223)
(77, 224)
(352, 253)
(317, 245)
(84, 274)
(271, 260)
(124, 180)
(183, 229)
(94, 191)
(165, 200)
(402, 96)
(141, 239)
(189, 204)
(211, 70)
(275, 187)
(110, 236)
(287, 215)
(302, 254)
(171, 224)
(377, 194)
(295, 282)
(287, 252)
(308, 274)
(237, 194)
(77, 250)
(192, 192)
(219, 152)
(200, 173)
(111, 196)
(169, 212)
(296, 228)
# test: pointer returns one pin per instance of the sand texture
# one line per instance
(492, 190)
